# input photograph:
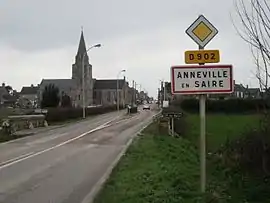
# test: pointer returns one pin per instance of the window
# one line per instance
(79, 97)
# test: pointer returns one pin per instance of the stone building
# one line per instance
(96, 91)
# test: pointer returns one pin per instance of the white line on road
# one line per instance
(25, 157)
(14, 159)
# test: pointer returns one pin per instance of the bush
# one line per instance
(62, 114)
(244, 165)
(226, 106)
(50, 96)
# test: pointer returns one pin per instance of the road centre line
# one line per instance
(21, 158)
(31, 155)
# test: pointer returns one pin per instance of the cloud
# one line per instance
(39, 39)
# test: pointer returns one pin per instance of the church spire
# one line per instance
(82, 47)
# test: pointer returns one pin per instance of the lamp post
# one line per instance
(139, 90)
(83, 85)
(117, 84)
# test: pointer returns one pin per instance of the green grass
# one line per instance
(155, 169)
(158, 168)
(220, 127)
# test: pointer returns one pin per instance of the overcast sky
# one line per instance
(39, 39)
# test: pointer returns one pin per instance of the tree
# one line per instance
(50, 96)
(9, 89)
(254, 16)
(66, 101)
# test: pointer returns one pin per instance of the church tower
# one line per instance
(77, 74)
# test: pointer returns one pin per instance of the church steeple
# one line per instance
(82, 47)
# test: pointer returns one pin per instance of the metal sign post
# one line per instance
(202, 138)
(202, 79)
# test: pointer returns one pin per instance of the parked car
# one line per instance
(146, 107)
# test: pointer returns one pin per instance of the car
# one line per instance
(146, 107)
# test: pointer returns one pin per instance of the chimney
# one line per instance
(3, 84)
(247, 86)
(124, 78)
(32, 85)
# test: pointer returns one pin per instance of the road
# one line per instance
(63, 165)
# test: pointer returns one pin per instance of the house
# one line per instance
(30, 93)
(96, 91)
(254, 93)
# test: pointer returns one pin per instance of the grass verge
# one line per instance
(158, 168)
(220, 127)
(153, 171)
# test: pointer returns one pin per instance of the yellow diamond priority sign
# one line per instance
(201, 31)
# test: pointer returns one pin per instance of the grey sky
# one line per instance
(39, 39)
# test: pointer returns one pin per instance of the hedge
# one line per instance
(226, 106)
(62, 114)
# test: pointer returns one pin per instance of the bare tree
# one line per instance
(254, 16)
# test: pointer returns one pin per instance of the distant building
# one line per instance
(96, 91)
(253, 93)
(30, 93)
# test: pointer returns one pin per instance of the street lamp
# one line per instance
(117, 84)
(139, 90)
(83, 85)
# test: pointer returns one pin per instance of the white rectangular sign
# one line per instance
(205, 79)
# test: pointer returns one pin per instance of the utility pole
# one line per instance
(162, 94)
(132, 98)
(135, 93)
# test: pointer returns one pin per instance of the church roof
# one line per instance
(82, 46)
(108, 84)
(63, 84)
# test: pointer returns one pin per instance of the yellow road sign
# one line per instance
(201, 31)
(202, 56)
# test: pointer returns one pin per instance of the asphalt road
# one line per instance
(64, 165)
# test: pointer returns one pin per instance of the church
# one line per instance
(97, 91)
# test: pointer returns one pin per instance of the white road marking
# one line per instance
(20, 158)
(46, 139)
(14, 159)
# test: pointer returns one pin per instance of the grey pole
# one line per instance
(83, 86)
(202, 140)
(117, 88)
(117, 95)
(83, 81)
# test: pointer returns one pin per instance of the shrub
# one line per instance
(226, 106)
(66, 101)
(62, 114)
(50, 96)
